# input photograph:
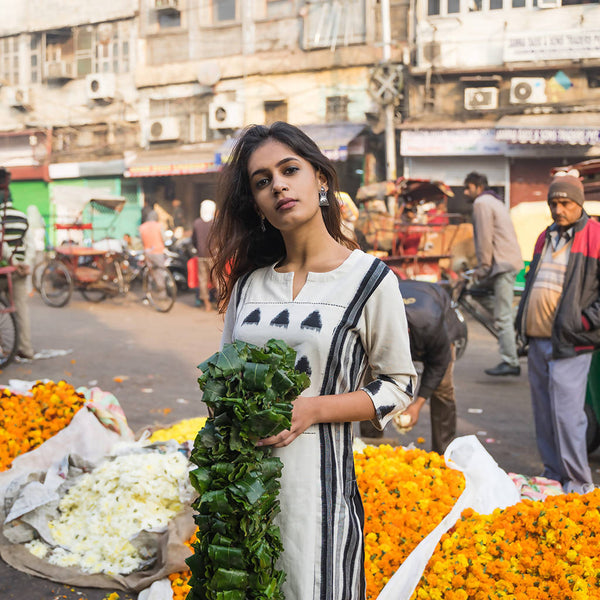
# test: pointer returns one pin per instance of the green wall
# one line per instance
(25, 193)
(107, 223)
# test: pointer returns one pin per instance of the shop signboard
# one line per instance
(534, 46)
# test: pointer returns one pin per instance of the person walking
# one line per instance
(559, 316)
(200, 236)
(285, 270)
(498, 263)
(18, 248)
(151, 233)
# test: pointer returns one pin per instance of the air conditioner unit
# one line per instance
(163, 129)
(527, 90)
(59, 69)
(549, 3)
(481, 98)
(17, 97)
(166, 4)
(101, 86)
(225, 115)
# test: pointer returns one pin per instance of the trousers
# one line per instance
(501, 306)
(558, 388)
(443, 411)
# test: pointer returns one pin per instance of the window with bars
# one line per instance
(331, 23)
(9, 59)
(275, 110)
(224, 10)
(336, 109)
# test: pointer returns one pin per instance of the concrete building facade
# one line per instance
(507, 87)
(141, 98)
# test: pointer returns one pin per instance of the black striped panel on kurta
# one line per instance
(349, 549)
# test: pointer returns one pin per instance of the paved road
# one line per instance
(155, 357)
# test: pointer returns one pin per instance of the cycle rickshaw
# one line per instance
(99, 270)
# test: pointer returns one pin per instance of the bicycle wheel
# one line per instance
(109, 282)
(160, 288)
(36, 275)
(56, 284)
(9, 336)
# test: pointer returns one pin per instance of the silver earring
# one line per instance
(323, 201)
(262, 223)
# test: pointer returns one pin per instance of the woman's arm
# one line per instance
(338, 408)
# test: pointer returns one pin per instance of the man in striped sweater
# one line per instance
(559, 314)
(17, 249)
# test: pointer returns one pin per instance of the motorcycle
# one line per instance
(178, 252)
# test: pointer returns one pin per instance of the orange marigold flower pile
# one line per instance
(405, 493)
(532, 550)
(179, 581)
(26, 421)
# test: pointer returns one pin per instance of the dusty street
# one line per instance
(148, 360)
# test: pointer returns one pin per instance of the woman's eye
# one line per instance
(260, 183)
(290, 170)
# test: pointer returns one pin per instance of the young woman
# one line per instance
(286, 271)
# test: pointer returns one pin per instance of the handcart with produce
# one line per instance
(420, 240)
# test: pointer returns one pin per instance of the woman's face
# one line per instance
(285, 186)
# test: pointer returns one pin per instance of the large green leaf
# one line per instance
(226, 556)
(229, 579)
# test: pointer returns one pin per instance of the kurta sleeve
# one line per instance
(385, 338)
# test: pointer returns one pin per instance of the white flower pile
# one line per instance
(106, 508)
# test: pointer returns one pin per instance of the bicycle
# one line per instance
(158, 284)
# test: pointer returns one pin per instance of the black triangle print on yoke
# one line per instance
(253, 318)
(313, 321)
(303, 366)
(282, 319)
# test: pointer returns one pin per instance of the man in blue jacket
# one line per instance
(559, 315)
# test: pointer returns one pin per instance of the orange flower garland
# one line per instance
(28, 421)
(532, 550)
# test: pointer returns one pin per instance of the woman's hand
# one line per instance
(303, 416)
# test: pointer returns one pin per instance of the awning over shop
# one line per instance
(336, 140)
(96, 168)
(578, 128)
(159, 163)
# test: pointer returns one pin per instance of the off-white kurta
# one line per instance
(344, 324)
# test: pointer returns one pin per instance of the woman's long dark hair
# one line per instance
(238, 245)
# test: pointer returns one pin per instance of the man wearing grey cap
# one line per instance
(559, 315)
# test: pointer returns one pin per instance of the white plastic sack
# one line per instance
(487, 487)
(159, 590)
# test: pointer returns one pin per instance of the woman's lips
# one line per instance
(285, 203)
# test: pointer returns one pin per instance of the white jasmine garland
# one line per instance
(108, 507)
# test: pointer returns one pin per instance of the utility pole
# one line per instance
(387, 82)
(390, 133)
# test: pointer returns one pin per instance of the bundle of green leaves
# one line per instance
(249, 391)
